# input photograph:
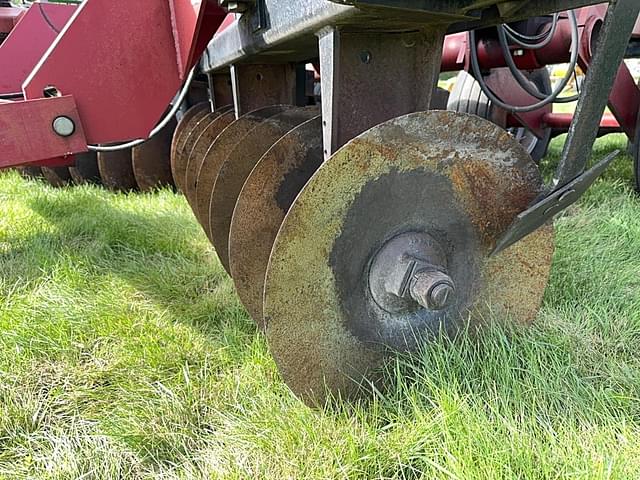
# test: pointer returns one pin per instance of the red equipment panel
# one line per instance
(9, 16)
(27, 135)
(28, 42)
(124, 61)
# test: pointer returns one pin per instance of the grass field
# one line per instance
(124, 353)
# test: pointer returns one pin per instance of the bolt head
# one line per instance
(64, 126)
(433, 290)
(441, 296)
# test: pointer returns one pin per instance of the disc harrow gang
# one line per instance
(262, 205)
(238, 165)
(383, 245)
(199, 150)
(192, 125)
(217, 153)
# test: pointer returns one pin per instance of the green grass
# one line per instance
(124, 353)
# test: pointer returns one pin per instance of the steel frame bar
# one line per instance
(289, 33)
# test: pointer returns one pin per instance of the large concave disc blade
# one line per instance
(237, 167)
(152, 160)
(200, 148)
(185, 125)
(85, 170)
(454, 177)
(262, 205)
(218, 152)
(116, 170)
(57, 176)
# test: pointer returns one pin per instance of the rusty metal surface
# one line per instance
(218, 152)
(116, 171)
(456, 177)
(151, 161)
(262, 205)
(257, 86)
(57, 176)
(199, 125)
(358, 70)
(178, 161)
(238, 165)
(85, 169)
(200, 148)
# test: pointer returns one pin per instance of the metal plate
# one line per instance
(116, 171)
(237, 167)
(200, 148)
(152, 160)
(456, 177)
(218, 152)
(262, 205)
(86, 169)
(57, 176)
(26, 44)
(192, 116)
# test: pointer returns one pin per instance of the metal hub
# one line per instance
(410, 273)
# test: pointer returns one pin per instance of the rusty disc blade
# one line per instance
(85, 171)
(262, 205)
(200, 148)
(32, 173)
(218, 152)
(181, 159)
(455, 177)
(116, 170)
(57, 176)
(192, 116)
(238, 165)
(152, 160)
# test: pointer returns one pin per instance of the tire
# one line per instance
(468, 97)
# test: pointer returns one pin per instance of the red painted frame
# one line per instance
(624, 100)
(29, 41)
(121, 63)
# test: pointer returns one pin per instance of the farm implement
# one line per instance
(355, 217)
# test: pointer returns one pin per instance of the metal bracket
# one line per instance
(540, 213)
(570, 181)
(371, 77)
(257, 86)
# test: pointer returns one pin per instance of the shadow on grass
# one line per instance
(160, 254)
